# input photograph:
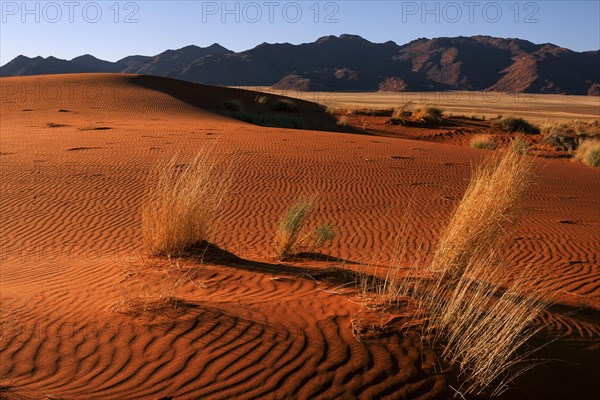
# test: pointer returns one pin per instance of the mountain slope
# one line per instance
(351, 63)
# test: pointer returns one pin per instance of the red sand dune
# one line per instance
(75, 154)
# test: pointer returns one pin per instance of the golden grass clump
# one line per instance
(401, 115)
(486, 213)
(150, 288)
(483, 318)
(466, 299)
(483, 142)
(428, 114)
(476, 308)
(424, 114)
(519, 145)
(182, 204)
(513, 124)
(588, 152)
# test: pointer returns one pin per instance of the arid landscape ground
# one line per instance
(87, 313)
(534, 107)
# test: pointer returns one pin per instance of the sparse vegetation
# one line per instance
(373, 112)
(402, 115)
(486, 213)
(291, 229)
(276, 103)
(271, 111)
(475, 117)
(428, 114)
(473, 306)
(557, 135)
(516, 125)
(272, 120)
(483, 142)
(398, 116)
(425, 114)
(323, 234)
(288, 229)
(181, 205)
(581, 128)
(342, 121)
(148, 286)
(483, 318)
(588, 152)
(567, 135)
(519, 145)
(481, 313)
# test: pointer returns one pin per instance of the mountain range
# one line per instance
(352, 63)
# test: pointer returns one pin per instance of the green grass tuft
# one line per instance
(290, 225)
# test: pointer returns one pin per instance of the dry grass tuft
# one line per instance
(486, 213)
(519, 145)
(516, 125)
(588, 152)
(401, 115)
(376, 112)
(150, 287)
(483, 142)
(476, 308)
(483, 318)
(183, 203)
(425, 114)
(428, 114)
(465, 299)
(579, 128)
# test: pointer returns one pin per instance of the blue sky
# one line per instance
(114, 29)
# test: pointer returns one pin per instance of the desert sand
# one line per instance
(76, 151)
(533, 107)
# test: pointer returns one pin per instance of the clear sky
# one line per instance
(114, 29)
